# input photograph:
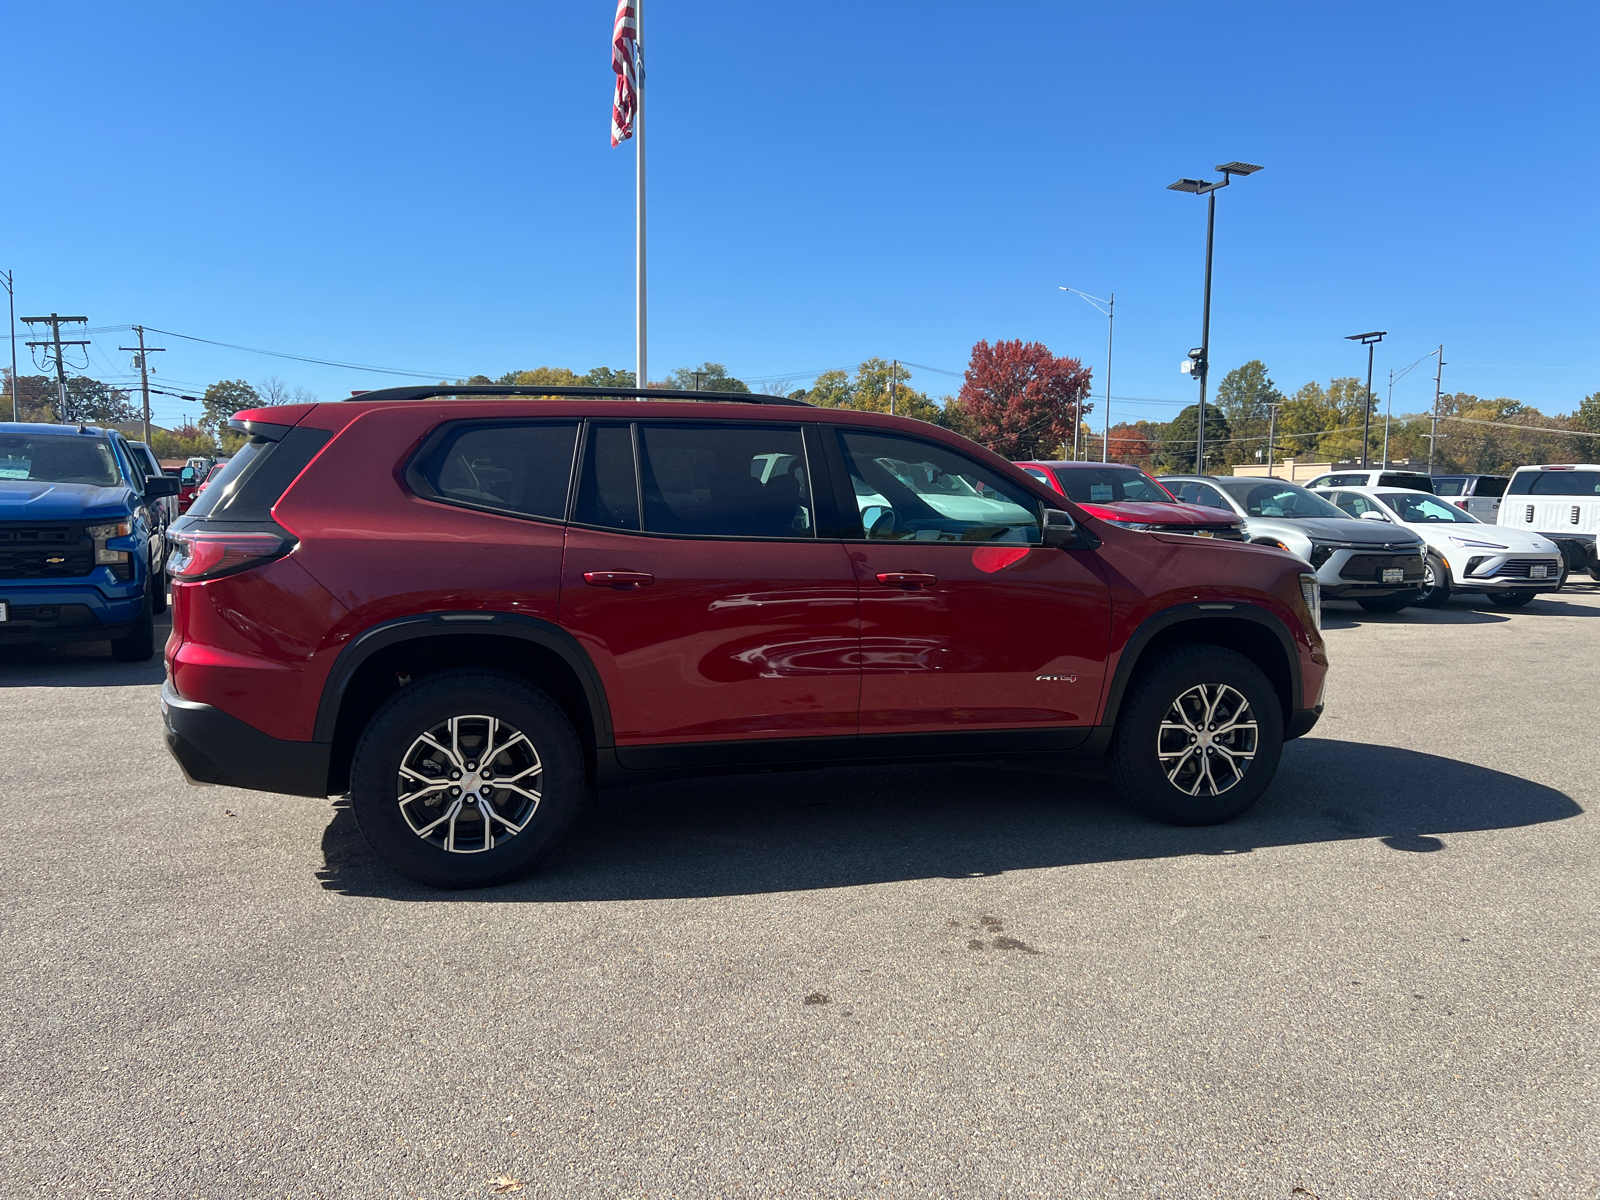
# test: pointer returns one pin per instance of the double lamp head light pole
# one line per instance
(1199, 359)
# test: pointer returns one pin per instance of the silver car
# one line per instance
(1374, 563)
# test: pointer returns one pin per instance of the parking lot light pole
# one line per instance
(1201, 364)
(1369, 340)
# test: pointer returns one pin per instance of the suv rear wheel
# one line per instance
(1199, 737)
(466, 778)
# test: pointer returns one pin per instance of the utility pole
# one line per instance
(1272, 434)
(1433, 437)
(11, 293)
(894, 371)
(144, 374)
(56, 344)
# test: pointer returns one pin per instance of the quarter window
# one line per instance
(711, 480)
(522, 468)
(913, 491)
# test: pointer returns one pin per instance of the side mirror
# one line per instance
(1057, 528)
(160, 485)
(1369, 515)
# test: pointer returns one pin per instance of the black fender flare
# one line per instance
(450, 624)
(1183, 614)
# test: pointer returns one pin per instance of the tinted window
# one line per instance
(1280, 499)
(1203, 495)
(1109, 485)
(1420, 483)
(58, 458)
(1419, 508)
(256, 477)
(1450, 485)
(1492, 486)
(1555, 483)
(521, 467)
(725, 480)
(1353, 503)
(910, 490)
(608, 488)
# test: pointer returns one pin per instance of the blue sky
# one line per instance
(431, 186)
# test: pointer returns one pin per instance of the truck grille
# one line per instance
(44, 552)
(1370, 567)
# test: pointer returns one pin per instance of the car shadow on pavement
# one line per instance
(846, 827)
(82, 664)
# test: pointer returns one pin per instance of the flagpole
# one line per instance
(642, 374)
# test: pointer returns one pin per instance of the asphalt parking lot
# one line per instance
(933, 981)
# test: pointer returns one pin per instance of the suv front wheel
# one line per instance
(1199, 737)
(466, 778)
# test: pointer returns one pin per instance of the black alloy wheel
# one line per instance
(1199, 737)
(466, 778)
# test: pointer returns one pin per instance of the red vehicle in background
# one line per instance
(191, 479)
(1131, 499)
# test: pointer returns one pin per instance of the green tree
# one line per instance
(1243, 396)
(183, 442)
(90, 401)
(1587, 416)
(608, 377)
(708, 377)
(868, 391)
(221, 400)
(1180, 438)
(550, 376)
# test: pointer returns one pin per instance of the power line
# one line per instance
(321, 362)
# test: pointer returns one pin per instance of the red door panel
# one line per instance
(728, 640)
(1005, 637)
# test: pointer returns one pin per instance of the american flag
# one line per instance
(624, 41)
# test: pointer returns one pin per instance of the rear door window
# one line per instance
(908, 490)
(1204, 495)
(704, 479)
(521, 467)
(1445, 486)
(1491, 486)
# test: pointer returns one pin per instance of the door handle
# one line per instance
(621, 580)
(907, 579)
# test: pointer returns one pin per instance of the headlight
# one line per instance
(104, 533)
(1481, 545)
(1311, 592)
(1141, 526)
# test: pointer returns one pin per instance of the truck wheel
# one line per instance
(158, 591)
(1199, 737)
(1389, 604)
(139, 645)
(1435, 583)
(466, 778)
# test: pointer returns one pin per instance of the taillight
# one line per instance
(207, 555)
(1461, 504)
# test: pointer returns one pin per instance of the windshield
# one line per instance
(1419, 508)
(1280, 499)
(1110, 485)
(58, 458)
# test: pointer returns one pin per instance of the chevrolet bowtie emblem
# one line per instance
(1055, 679)
(55, 561)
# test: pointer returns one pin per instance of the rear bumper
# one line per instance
(213, 747)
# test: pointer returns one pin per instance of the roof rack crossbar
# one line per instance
(488, 390)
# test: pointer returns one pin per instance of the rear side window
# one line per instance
(1492, 486)
(1556, 483)
(1416, 483)
(712, 480)
(1445, 486)
(522, 467)
(254, 479)
(908, 490)
(608, 488)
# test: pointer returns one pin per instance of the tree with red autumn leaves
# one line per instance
(1022, 401)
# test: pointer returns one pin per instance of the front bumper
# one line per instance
(1579, 549)
(47, 612)
(1358, 574)
(213, 747)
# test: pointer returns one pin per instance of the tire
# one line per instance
(1389, 604)
(1435, 583)
(1509, 599)
(158, 591)
(1594, 574)
(1148, 774)
(139, 645)
(442, 840)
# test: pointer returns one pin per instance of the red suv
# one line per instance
(1126, 496)
(466, 606)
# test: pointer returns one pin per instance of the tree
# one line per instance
(1587, 416)
(868, 391)
(92, 402)
(1243, 396)
(1022, 400)
(1133, 443)
(183, 442)
(607, 377)
(36, 396)
(1180, 440)
(707, 377)
(222, 399)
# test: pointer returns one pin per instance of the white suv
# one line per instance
(1417, 481)
(1562, 502)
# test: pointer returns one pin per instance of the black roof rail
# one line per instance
(424, 392)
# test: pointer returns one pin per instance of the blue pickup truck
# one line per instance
(82, 549)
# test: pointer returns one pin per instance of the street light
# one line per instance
(1198, 365)
(1369, 340)
(1110, 313)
